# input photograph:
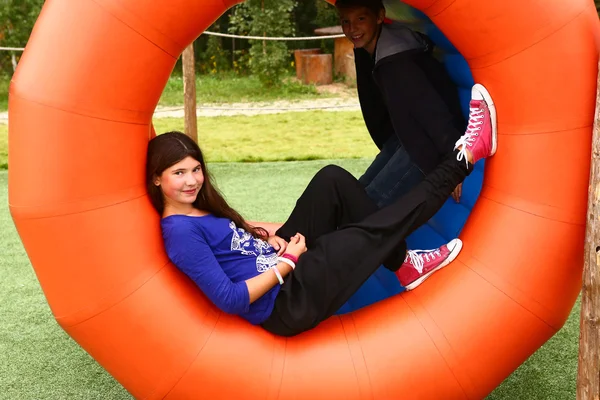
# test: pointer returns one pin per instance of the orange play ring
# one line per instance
(81, 104)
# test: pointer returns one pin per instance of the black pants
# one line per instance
(348, 238)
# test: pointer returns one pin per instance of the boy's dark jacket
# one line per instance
(404, 90)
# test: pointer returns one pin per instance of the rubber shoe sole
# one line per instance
(492, 107)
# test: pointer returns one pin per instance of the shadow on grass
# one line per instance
(310, 157)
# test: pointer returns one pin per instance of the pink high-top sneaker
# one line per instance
(481, 135)
(420, 264)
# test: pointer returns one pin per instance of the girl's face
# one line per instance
(181, 183)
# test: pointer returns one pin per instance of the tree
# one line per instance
(268, 60)
(17, 18)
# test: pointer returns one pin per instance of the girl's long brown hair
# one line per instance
(167, 150)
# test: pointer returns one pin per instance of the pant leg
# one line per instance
(381, 159)
(333, 198)
(327, 275)
(395, 179)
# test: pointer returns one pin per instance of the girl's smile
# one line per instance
(181, 183)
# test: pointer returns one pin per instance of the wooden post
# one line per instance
(189, 92)
(588, 374)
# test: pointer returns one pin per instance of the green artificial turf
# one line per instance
(39, 361)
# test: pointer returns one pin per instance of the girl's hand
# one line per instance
(297, 245)
(278, 244)
(457, 193)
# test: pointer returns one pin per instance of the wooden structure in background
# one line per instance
(299, 59)
(317, 69)
(588, 374)
(189, 92)
(343, 53)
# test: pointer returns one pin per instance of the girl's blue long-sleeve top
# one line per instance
(219, 258)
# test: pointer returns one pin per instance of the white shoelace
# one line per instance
(476, 116)
(416, 258)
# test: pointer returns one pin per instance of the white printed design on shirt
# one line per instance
(245, 243)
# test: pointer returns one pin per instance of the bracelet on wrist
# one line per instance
(287, 261)
(277, 274)
(290, 257)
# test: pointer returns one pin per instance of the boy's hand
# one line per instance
(278, 244)
(297, 245)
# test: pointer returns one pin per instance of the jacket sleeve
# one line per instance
(193, 256)
(405, 85)
(372, 106)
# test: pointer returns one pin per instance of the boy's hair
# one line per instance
(373, 5)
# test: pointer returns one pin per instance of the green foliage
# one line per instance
(310, 15)
(304, 17)
(269, 60)
(215, 59)
(17, 18)
(326, 14)
(215, 55)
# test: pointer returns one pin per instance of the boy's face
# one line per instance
(361, 26)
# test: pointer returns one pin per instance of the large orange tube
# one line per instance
(80, 112)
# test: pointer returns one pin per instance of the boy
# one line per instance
(409, 103)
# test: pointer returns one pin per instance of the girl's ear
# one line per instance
(156, 180)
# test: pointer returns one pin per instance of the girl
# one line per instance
(334, 239)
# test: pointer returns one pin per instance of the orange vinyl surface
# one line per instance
(81, 104)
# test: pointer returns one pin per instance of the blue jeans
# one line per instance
(391, 175)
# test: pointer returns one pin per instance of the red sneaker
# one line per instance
(419, 264)
(481, 137)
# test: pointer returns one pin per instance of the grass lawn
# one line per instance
(4, 82)
(217, 89)
(39, 361)
(234, 89)
(290, 136)
(311, 135)
(3, 147)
